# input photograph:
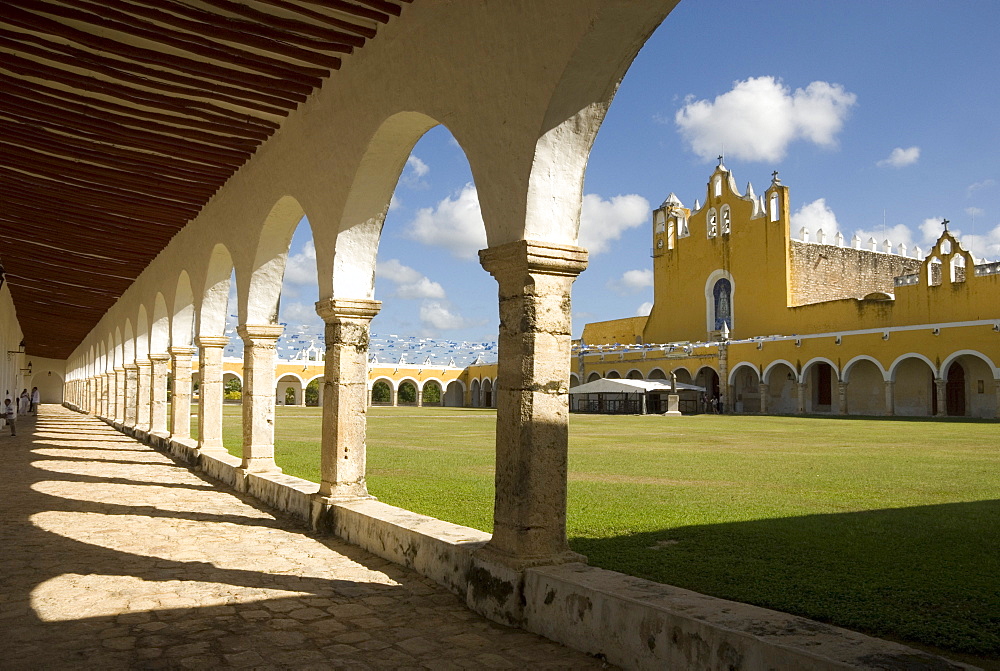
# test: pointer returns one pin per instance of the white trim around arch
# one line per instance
(766, 374)
(714, 277)
(863, 357)
(820, 359)
(971, 352)
(742, 364)
(891, 376)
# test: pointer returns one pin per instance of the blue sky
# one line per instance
(882, 117)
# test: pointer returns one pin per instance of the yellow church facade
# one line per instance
(768, 322)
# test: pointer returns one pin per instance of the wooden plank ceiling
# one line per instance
(120, 118)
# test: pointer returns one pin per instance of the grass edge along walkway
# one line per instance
(880, 525)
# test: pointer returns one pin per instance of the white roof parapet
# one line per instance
(873, 244)
(750, 195)
(902, 249)
(821, 237)
(672, 201)
(887, 246)
(839, 239)
(918, 253)
(804, 234)
(855, 241)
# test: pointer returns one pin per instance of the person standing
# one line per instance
(10, 414)
(25, 403)
(36, 398)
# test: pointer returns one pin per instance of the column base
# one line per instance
(322, 507)
(496, 582)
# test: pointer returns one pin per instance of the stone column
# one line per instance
(180, 401)
(890, 398)
(259, 358)
(345, 381)
(120, 394)
(764, 391)
(131, 377)
(109, 379)
(996, 392)
(841, 398)
(210, 392)
(393, 396)
(532, 386)
(142, 394)
(801, 389)
(158, 393)
(724, 395)
(942, 397)
(420, 397)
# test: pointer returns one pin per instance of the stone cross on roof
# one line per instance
(774, 177)
(945, 224)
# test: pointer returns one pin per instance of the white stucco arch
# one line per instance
(159, 332)
(943, 370)
(820, 359)
(258, 298)
(846, 374)
(182, 315)
(766, 375)
(215, 293)
(713, 277)
(743, 364)
(891, 376)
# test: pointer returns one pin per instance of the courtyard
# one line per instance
(886, 526)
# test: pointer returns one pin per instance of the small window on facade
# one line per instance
(775, 210)
(726, 220)
(713, 223)
(718, 187)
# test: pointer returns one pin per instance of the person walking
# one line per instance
(10, 414)
(36, 398)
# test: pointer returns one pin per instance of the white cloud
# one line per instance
(760, 117)
(644, 309)
(456, 224)
(632, 281)
(409, 283)
(440, 315)
(394, 203)
(900, 158)
(299, 313)
(900, 233)
(300, 269)
(418, 167)
(815, 216)
(602, 221)
(975, 211)
(985, 184)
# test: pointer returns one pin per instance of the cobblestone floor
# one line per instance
(114, 556)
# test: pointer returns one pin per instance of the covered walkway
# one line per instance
(115, 556)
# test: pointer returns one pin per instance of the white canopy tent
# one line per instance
(633, 393)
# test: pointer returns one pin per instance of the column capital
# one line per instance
(162, 357)
(130, 366)
(534, 256)
(211, 341)
(331, 309)
(251, 333)
(119, 369)
(143, 363)
(182, 351)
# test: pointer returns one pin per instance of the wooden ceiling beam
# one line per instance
(108, 19)
(211, 71)
(291, 25)
(73, 106)
(109, 154)
(205, 110)
(359, 29)
(268, 27)
(120, 70)
(352, 9)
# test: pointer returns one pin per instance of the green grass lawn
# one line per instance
(887, 526)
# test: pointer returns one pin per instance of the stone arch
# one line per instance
(782, 387)
(383, 391)
(263, 290)
(407, 391)
(142, 334)
(426, 386)
(159, 332)
(475, 390)
(292, 382)
(865, 391)
(350, 271)
(913, 389)
(593, 376)
(316, 390)
(613, 375)
(489, 398)
(845, 375)
(725, 220)
(182, 318)
(634, 374)
(744, 380)
(454, 395)
(574, 380)
(683, 375)
(766, 375)
(128, 343)
(215, 293)
(712, 221)
(713, 286)
(981, 379)
(708, 378)
(821, 376)
(657, 374)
